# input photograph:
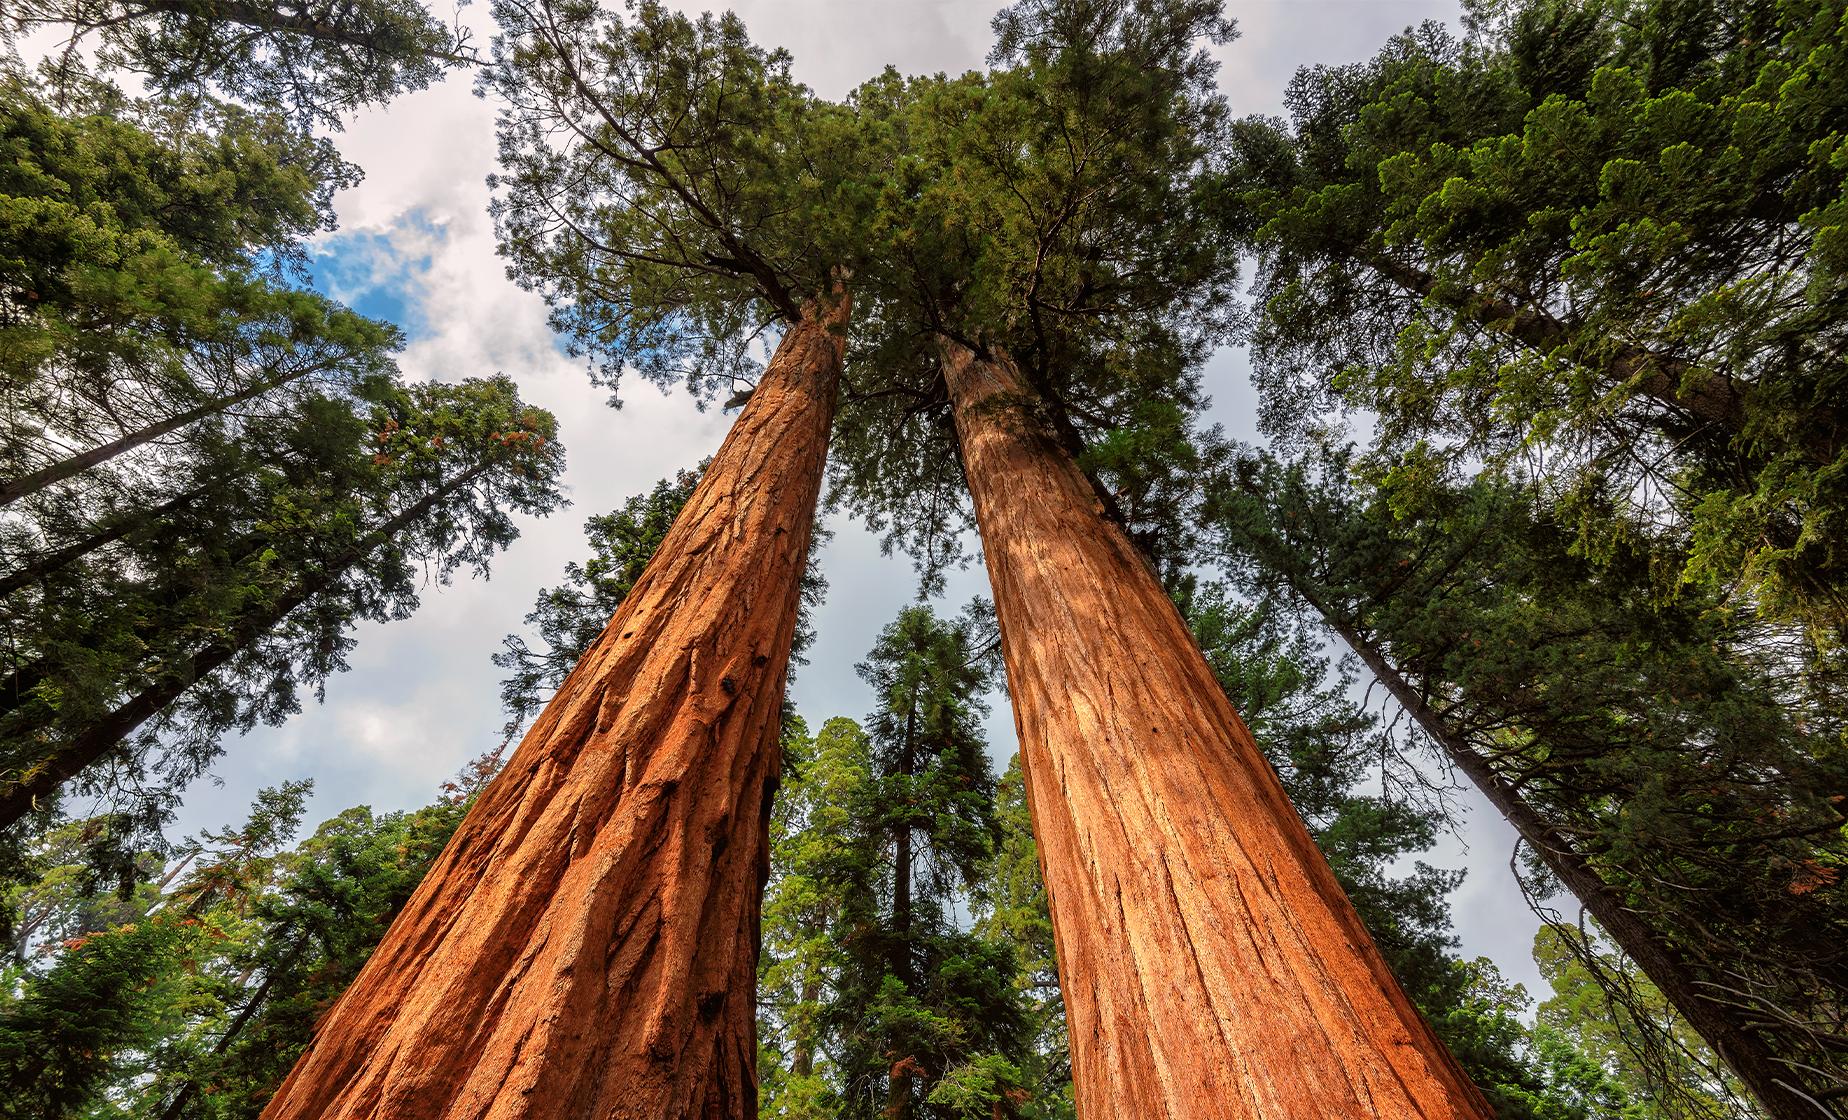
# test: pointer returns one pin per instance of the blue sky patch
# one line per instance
(381, 273)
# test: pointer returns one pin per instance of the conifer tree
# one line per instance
(671, 192)
(1665, 762)
(818, 848)
(1609, 231)
(977, 223)
(193, 447)
(1171, 852)
(192, 999)
(927, 1018)
(314, 60)
(222, 619)
(137, 308)
(115, 992)
(880, 999)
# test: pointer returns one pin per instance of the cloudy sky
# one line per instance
(415, 246)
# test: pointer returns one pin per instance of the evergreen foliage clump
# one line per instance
(1672, 756)
(1597, 244)
(193, 998)
(209, 472)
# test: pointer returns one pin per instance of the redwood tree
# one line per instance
(587, 944)
(1056, 272)
(1212, 965)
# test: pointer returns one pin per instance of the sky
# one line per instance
(415, 245)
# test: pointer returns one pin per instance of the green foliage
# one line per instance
(1592, 246)
(666, 185)
(113, 995)
(197, 1005)
(922, 1001)
(134, 661)
(1677, 742)
(877, 1001)
(331, 901)
(672, 192)
(1615, 1018)
(108, 994)
(312, 60)
(1060, 206)
(134, 246)
(825, 781)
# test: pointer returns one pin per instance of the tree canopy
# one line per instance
(1594, 243)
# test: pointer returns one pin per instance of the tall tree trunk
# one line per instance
(901, 855)
(802, 1053)
(1717, 1021)
(898, 1081)
(1211, 966)
(586, 945)
(20, 795)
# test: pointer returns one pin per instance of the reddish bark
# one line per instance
(586, 946)
(1211, 966)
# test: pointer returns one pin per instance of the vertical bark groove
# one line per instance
(587, 944)
(1212, 968)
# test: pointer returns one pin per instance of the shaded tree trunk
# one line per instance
(84, 460)
(1211, 966)
(55, 560)
(586, 945)
(1663, 378)
(802, 1055)
(898, 1081)
(1717, 1021)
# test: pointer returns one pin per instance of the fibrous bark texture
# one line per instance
(586, 946)
(1211, 966)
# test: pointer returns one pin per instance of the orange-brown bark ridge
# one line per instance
(586, 945)
(1212, 968)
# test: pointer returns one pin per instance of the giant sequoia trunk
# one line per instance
(1722, 1022)
(1211, 966)
(586, 946)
